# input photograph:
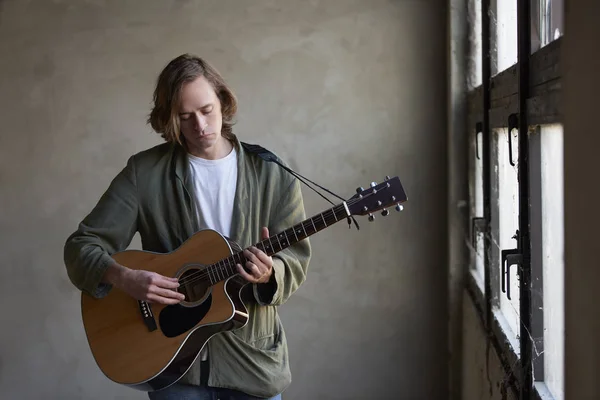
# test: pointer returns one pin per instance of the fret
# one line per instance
(223, 268)
(237, 260)
(211, 280)
(227, 267)
(261, 247)
(271, 243)
(313, 224)
(305, 234)
(286, 242)
(288, 234)
(294, 229)
(265, 246)
(280, 247)
(231, 266)
(211, 273)
(334, 215)
(325, 222)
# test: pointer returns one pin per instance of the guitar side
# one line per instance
(128, 351)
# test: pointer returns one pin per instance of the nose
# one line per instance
(200, 122)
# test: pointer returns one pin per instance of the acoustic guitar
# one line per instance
(151, 346)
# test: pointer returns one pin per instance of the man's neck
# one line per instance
(220, 150)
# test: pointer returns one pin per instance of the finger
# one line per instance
(264, 232)
(250, 255)
(153, 298)
(245, 274)
(168, 293)
(261, 256)
(168, 283)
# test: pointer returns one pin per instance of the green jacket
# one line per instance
(151, 195)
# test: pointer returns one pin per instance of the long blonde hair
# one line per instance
(164, 117)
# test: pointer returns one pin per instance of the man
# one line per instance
(201, 177)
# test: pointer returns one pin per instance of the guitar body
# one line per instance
(151, 346)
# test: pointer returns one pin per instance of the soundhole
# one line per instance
(195, 285)
(177, 319)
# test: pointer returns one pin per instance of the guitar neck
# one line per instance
(226, 268)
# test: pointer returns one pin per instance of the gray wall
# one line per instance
(347, 91)
(582, 195)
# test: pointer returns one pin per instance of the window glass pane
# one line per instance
(553, 256)
(503, 22)
(547, 22)
(476, 190)
(474, 73)
(552, 17)
(508, 223)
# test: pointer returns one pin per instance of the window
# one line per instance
(507, 214)
(476, 195)
(504, 32)
(548, 244)
(547, 22)
(522, 192)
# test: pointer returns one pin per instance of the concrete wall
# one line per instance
(483, 376)
(582, 194)
(347, 91)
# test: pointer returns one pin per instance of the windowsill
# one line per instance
(504, 346)
(511, 339)
(542, 392)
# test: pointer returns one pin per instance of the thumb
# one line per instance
(264, 232)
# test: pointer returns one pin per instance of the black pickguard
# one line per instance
(175, 320)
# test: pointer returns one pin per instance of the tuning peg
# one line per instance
(371, 217)
(359, 189)
(385, 212)
(373, 184)
(387, 177)
(399, 207)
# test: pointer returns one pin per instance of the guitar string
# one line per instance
(202, 274)
(199, 275)
(223, 270)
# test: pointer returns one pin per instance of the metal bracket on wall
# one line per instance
(478, 130)
(509, 258)
(513, 123)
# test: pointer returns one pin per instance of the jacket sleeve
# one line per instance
(107, 229)
(290, 265)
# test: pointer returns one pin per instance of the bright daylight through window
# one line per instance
(541, 195)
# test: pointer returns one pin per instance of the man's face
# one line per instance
(200, 117)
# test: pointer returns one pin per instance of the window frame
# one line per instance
(543, 107)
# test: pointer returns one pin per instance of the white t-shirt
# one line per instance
(214, 185)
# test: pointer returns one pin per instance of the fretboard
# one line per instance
(226, 268)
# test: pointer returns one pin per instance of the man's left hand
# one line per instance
(259, 266)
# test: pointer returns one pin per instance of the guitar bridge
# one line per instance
(147, 315)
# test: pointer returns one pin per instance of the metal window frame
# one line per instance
(540, 80)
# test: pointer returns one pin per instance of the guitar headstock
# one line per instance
(389, 193)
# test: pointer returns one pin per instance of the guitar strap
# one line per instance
(270, 157)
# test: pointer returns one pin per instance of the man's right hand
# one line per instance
(144, 285)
